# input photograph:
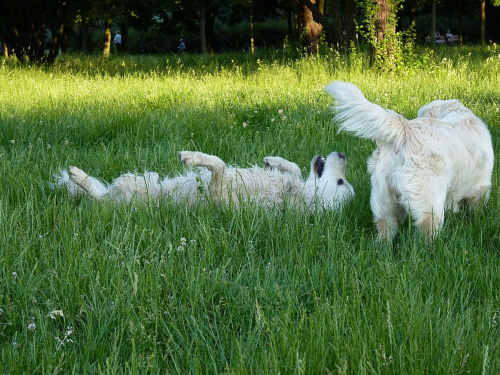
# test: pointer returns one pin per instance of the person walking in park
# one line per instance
(118, 41)
(182, 46)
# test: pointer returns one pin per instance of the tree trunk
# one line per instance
(209, 29)
(337, 23)
(124, 30)
(413, 14)
(252, 42)
(203, 35)
(84, 34)
(380, 29)
(344, 25)
(460, 24)
(432, 37)
(483, 22)
(298, 20)
(382, 16)
(57, 40)
(312, 28)
(5, 50)
(107, 38)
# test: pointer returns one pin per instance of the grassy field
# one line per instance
(90, 287)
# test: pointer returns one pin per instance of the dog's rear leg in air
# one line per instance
(89, 184)
(213, 163)
(282, 165)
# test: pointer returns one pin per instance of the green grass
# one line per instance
(252, 291)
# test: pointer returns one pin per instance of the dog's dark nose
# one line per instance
(341, 155)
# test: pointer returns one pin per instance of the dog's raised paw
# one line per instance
(76, 174)
(272, 161)
(186, 157)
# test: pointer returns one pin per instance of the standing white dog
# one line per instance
(437, 161)
(280, 182)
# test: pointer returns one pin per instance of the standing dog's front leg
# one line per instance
(214, 165)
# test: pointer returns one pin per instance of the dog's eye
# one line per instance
(340, 181)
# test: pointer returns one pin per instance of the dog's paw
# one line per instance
(273, 162)
(76, 175)
(187, 158)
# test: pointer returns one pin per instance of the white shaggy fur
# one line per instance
(278, 183)
(437, 161)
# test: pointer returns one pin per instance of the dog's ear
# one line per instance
(318, 166)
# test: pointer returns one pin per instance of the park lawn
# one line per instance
(93, 287)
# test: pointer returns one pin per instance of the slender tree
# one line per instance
(344, 23)
(312, 27)
(482, 4)
(380, 31)
(203, 34)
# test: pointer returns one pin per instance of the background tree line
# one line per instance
(38, 30)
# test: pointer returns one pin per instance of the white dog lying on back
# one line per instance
(280, 182)
(437, 161)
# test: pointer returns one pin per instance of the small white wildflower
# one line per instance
(244, 124)
(280, 111)
(192, 242)
(2, 311)
(254, 111)
(12, 141)
(272, 120)
(55, 313)
(14, 274)
(32, 327)
(65, 339)
(49, 146)
(180, 248)
(283, 118)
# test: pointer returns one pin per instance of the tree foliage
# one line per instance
(29, 28)
(37, 30)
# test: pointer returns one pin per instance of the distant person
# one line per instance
(449, 34)
(182, 46)
(438, 37)
(118, 41)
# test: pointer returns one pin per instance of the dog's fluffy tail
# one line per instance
(365, 119)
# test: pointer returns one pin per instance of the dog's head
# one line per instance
(327, 180)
